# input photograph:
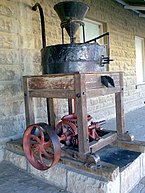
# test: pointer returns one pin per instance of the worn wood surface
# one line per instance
(81, 111)
(29, 105)
(78, 86)
(44, 93)
(135, 145)
(104, 141)
(93, 80)
(51, 82)
(119, 103)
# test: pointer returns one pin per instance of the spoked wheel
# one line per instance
(66, 132)
(36, 141)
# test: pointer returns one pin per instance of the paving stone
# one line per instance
(15, 180)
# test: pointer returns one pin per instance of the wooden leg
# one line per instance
(29, 110)
(51, 114)
(81, 111)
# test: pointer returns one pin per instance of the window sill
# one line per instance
(140, 84)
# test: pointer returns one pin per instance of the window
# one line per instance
(140, 64)
(92, 30)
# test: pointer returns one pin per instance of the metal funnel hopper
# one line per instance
(71, 14)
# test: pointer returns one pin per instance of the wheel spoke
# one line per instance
(41, 134)
(35, 148)
(47, 144)
(35, 137)
(63, 127)
(40, 157)
(47, 155)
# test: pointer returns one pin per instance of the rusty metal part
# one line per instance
(66, 132)
(37, 138)
(73, 118)
(93, 129)
(68, 125)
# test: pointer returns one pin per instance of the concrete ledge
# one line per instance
(76, 180)
(66, 177)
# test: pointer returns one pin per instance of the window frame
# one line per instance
(142, 82)
(101, 27)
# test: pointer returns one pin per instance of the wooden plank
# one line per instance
(55, 82)
(52, 93)
(93, 81)
(105, 140)
(135, 145)
(95, 77)
(102, 91)
(119, 103)
(81, 111)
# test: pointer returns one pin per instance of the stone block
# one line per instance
(131, 175)
(10, 89)
(2, 146)
(8, 9)
(16, 159)
(80, 182)
(27, 42)
(10, 127)
(9, 57)
(142, 165)
(56, 176)
(9, 25)
(10, 73)
(8, 41)
(11, 108)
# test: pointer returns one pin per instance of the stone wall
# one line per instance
(20, 45)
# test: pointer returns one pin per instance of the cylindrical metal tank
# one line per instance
(68, 58)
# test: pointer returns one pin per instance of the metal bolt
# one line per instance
(78, 95)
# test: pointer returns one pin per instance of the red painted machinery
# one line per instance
(41, 141)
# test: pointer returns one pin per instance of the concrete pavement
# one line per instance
(15, 180)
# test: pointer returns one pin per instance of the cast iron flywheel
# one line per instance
(36, 141)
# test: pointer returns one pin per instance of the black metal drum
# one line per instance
(68, 58)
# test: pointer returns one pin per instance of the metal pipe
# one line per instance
(62, 36)
(83, 33)
(108, 41)
(34, 8)
(94, 39)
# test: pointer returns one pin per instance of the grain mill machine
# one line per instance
(74, 71)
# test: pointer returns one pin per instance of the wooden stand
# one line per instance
(79, 86)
